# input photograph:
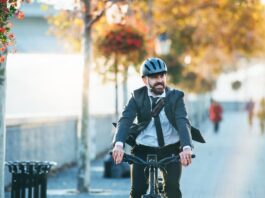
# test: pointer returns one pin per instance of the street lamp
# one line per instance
(187, 59)
(162, 44)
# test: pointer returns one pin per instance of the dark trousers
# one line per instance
(139, 180)
(216, 126)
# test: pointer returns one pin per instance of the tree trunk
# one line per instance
(150, 33)
(116, 88)
(83, 180)
(2, 123)
(125, 85)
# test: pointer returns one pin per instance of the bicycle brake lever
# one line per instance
(127, 159)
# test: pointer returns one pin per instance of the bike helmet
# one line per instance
(153, 66)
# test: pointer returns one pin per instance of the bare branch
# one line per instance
(98, 16)
(101, 13)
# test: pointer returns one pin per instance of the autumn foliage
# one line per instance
(8, 9)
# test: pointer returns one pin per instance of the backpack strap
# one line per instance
(159, 106)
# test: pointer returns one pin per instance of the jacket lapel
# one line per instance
(166, 107)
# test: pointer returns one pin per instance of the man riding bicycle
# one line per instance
(162, 131)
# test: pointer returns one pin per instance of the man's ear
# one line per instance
(145, 80)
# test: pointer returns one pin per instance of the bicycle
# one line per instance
(155, 187)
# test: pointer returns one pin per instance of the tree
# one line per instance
(8, 8)
(2, 122)
(66, 26)
(212, 33)
(121, 45)
(83, 180)
(82, 17)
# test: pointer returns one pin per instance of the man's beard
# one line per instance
(157, 91)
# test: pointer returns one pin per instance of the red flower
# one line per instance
(2, 49)
(2, 59)
(20, 15)
(2, 30)
(11, 36)
(118, 38)
(129, 41)
(122, 40)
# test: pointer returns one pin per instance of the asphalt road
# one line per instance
(230, 165)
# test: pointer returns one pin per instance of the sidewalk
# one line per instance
(63, 184)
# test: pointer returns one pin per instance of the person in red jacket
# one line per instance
(215, 113)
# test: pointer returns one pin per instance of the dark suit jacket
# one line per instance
(139, 106)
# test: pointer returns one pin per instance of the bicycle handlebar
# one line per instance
(136, 160)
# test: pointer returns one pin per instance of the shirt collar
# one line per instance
(155, 96)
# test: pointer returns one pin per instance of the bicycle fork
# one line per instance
(153, 191)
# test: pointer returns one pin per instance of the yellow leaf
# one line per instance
(44, 7)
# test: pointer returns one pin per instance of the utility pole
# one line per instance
(83, 180)
(2, 123)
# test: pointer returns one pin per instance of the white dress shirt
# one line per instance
(148, 136)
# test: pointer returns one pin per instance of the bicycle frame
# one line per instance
(153, 190)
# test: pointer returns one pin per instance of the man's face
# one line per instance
(156, 83)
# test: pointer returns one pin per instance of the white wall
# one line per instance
(253, 84)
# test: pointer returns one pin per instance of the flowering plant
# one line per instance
(120, 39)
(8, 9)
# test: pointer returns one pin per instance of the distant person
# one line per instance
(250, 110)
(215, 113)
(261, 115)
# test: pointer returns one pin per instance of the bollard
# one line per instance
(29, 178)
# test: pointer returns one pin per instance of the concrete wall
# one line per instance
(233, 105)
(53, 139)
(198, 109)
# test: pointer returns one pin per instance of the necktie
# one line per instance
(159, 132)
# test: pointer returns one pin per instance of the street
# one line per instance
(230, 165)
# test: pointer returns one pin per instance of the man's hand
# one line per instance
(185, 156)
(117, 153)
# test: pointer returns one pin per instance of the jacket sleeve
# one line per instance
(125, 121)
(182, 122)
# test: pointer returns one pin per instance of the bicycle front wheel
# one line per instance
(151, 196)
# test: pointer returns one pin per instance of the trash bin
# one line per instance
(111, 170)
(29, 178)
